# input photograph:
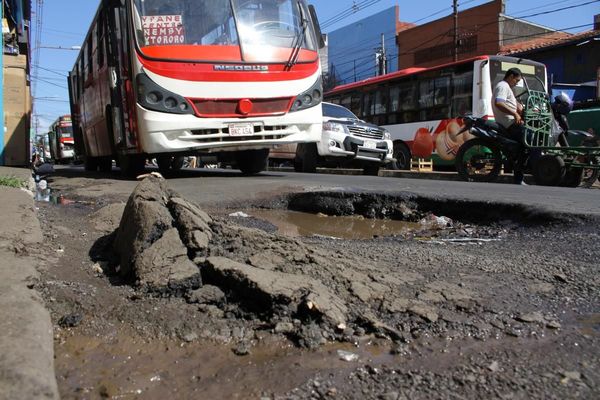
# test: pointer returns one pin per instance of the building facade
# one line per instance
(484, 29)
(15, 98)
(357, 51)
(573, 63)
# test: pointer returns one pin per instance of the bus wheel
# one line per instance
(478, 160)
(105, 164)
(177, 163)
(164, 164)
(402, 156)
(308, 157)
(252, 161)
(131, 164)
(90, 163)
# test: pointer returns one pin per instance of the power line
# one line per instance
(488, 42)
(439, 36)
(47, 82)
(348, 12)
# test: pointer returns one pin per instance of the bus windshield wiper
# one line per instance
(298, 39)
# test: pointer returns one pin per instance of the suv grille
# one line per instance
(370, 133)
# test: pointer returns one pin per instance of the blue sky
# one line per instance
(65, 23)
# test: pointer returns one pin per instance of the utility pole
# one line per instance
(455, 6)
(380, 57)
(383, 56)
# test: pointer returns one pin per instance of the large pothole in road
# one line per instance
(168, 246)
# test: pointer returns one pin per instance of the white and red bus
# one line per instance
(421, 107)
(60, 140)
(168, 78)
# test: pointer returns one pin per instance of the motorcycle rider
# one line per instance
(508, 113)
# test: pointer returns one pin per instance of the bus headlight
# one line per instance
(312, 97)
(156, 98)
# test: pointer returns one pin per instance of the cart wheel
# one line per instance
(573, 177)
(590, 175)
(549, 170)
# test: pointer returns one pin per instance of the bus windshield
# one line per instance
(224, 31)
(66, 131)
(533, 73)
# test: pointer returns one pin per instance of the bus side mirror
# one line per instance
(315, 21)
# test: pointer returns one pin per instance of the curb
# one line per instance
(26, 343)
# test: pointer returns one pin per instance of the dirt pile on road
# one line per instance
(169, 246)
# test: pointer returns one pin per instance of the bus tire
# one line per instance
(105, 164)
(402, 156)
(164, 164)
(310, 158)
(479, 160)
(90, 163)
(252, 162)
(177, 163)
(131, 164)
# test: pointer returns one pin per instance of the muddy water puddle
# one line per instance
(295, 224)
(125, 368)
(590, 324)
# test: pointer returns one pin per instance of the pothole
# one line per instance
(298, 224)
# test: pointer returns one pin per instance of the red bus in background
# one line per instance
(60, 140)
(168, 78)
(421, 107)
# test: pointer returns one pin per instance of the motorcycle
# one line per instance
(481, 159)
(546, 147)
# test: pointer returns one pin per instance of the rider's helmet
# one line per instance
(562, 104)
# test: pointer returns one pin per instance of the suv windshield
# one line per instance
(224, 30)
(334, 111)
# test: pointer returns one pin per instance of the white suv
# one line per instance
(346, 141)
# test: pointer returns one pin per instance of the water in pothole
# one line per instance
(294, 224)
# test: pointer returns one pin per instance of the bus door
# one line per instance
(119, 65)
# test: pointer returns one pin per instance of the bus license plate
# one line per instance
(241, 130)
(370, 145)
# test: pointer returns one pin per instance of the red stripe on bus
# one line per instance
(205, 72)
(225, 53)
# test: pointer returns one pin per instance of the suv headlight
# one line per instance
(386, 135)
(334, 127)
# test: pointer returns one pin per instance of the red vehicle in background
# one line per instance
(60, 140)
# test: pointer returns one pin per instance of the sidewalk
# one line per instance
(26, 338)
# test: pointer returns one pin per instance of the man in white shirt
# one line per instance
(507, 113)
